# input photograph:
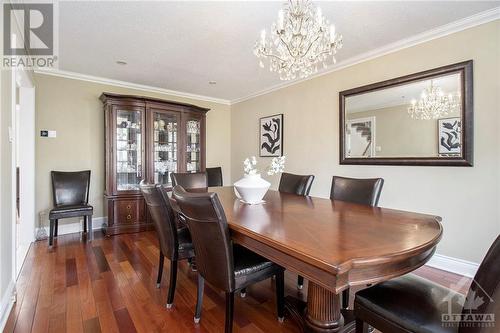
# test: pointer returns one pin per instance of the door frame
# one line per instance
(23, 99)
(370, 119)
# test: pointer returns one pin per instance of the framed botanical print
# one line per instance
(271, 136)
(450, 136)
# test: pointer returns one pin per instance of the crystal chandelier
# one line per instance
(299, 41)
(434, 104)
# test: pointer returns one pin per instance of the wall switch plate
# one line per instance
(48, 134)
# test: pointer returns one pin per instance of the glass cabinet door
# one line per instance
(129, 141)
(164, 147)
(193, 145)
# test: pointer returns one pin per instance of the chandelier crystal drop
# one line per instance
(434, 104)
(299, 41)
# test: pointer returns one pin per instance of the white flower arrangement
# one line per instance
(277, 166)
(250, 164)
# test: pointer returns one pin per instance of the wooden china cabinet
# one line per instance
(146, 138)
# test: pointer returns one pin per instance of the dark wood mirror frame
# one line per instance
(465, 71)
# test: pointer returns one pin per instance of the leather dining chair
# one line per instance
(414, 304)
(175, 243)
(70, 193)
(214, 176)
(189, 180)
(361, 191)
(299, 185)
(295, 184)
(224, 265)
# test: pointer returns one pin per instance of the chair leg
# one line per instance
(361, 326)
(160, 270)
(56, 227)
(280, 295)
(243, 292)
(173, 280)
(345, 299)
(51, 232)
(300, 282)
(85, 224)
(192, 264)
(199, 299)
(90, 230)
(229, 312)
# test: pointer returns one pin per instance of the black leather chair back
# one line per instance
(163, 219)
(295, 184)
(214, 176)
(485, 287)
(210, 234)
(189, 180)
(361, 191)
(70, 188)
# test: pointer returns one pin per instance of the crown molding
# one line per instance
(125, 84)
(444, 30)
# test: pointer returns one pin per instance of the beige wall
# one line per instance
(399, 135)
(466, 198)
(72, 108)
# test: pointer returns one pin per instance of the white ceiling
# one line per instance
(183, 45)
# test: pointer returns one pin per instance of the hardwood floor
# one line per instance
(109, 285)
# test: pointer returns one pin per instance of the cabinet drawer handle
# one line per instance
(129, 217)
(129, 207)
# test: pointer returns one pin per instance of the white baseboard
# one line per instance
(7, 302)
(454, 265)
(70, 228)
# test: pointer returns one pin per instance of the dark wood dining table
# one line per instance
(334, 244)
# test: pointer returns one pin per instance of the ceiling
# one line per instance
(183, 45)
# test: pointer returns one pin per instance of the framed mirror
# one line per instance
(424, 118)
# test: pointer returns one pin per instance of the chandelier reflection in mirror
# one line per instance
(434, 104)
(300, 41)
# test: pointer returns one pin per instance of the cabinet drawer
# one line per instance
(129, 211)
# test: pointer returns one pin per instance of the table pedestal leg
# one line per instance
(323, 310)
(322, 313)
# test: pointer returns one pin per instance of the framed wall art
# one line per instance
(450, 136)
(271, 136)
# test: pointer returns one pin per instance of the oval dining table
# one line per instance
(334, 244)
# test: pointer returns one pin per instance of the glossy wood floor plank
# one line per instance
(92, 325)
(42, 313)
(109, 285)
(27, 313)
